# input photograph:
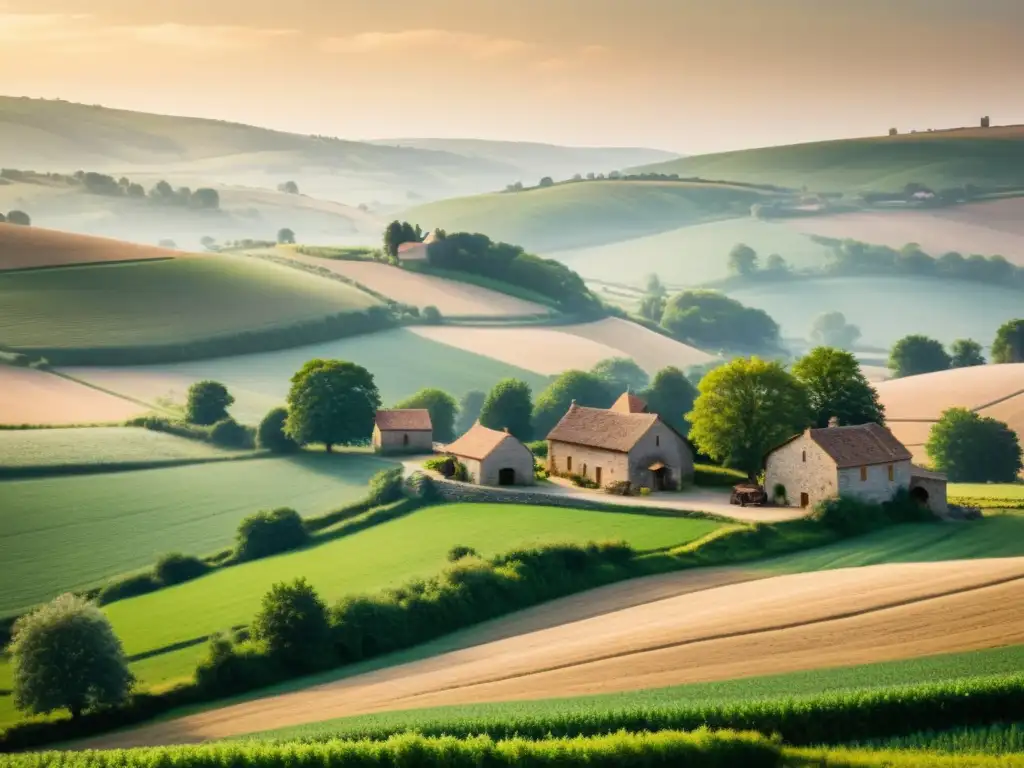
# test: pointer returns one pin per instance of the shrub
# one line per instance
(128, 586)
(208, 403)
(645, 491)
(431, 315)
(269, 533)
(458, 552)
(228, 433)
(619, 488)
(292, 624)
(271, 435)
(538, 448)
(461, 473)
(176, 568)
(421, 488)
(849, 516)
(386, 486)
(229, 668)
(582, 481)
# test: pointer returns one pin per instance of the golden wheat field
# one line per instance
(27, 247)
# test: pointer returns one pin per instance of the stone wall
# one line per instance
(801, 466)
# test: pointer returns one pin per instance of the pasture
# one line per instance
(886, 309)
(162, 302)
(942, 159)
(29, 396)
(690, 255)
(58, 534)
(588, 213)
(30, 247)
(552, 350)
(401, 361)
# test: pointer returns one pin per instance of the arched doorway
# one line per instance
(919, 496)
(506, 476)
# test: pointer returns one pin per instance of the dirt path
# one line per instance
(765, 626)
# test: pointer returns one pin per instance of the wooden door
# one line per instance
(597, 475)
(805, 500)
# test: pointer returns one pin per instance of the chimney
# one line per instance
(833, 422)
(506, 430)
(572, 404)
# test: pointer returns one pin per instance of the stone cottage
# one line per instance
(403, 430)
(864, 461)
(620, 444)
(416, 250)
(493, 457)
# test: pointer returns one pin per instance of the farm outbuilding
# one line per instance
(403, 430)
(493, 457)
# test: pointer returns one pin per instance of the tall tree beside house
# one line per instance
(442, 408)
(915, 354)
(745, 408)
(836, 387)
(742, 260)
(509, 405)
(1009, 344)
(333, 402)
(671, 396)
(621, 374)
(966, 353)
(971, 448)
(398, 232)
(586, 389)
(469, 410)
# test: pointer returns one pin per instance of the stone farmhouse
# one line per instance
(621, 444)
(864, 461)
(493, 457)
(407, 430)
(416, 251)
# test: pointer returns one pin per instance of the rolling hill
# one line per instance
(984, 157)
(32, 247)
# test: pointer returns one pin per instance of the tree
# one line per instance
(712, 319)
(971, 448)
(136, 191)
(161, 191)
(332, 402)
(398, 232)
(20, 218)
(442, 407)
(652, 307)
(286, 236)
(836, 386)
(832, 330)
(207, 242)
(205, 198)
(293, 625)
(916, 354)
(469, 410)
(289, 188)
(1009, 344)
(431, 315)
(586, 389)
(621, 374)
(776, 264)
(66, 656)
(654, 286)
(208, 403)
(966, 353)
(2, 218)
(671, 396)
(271, 435)
(509, 405)
(745, 408)
(742, 260)
(267, 533)
(547, 181)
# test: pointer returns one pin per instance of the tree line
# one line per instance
(16, 217)
(917, 354)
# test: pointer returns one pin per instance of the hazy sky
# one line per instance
(685, 75)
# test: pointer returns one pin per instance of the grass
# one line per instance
(1008, 491)
(162, 302)
(887, 309)
(588, 213)
(98, 445)
(942, 159)
(401, 361)
(997, 739)
(97, 526)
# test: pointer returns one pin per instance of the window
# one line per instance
(891, 473)
(805, 456)
(568, 463)
(863, 474)
(657, 440)
(405, 439)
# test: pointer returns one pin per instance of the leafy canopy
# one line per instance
(915, 354)
(712, 319)
(293, 625)
(1008, 346)
(671, 396)
(469, 410)
(442, 407)
(271, 433)
(333, 402)
(621, 374)
(587, 389)
(966, 353)
(509, 405)
(208, 403)
(832, 330)
(836, 387)
(971, 448)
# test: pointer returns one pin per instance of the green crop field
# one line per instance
(64, 533)
(387, 555)
(1008, 491)
(942, 159)
(162, 302)
(401, 361)
(98, 445)
(690, 255)
(886, 309)
(586, 213)
(992, 739)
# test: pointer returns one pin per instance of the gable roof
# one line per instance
(478, 442)
(856, 446)
(404, 420)
(629, 403)
(598, 428)
(409, 246)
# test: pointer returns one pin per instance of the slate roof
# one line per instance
(598, 428)
(477, 443)
(860, 445)
(629, 403)
(404, 420)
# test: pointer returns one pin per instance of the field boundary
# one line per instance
(36, 471)
(76, 265)
(104, 390)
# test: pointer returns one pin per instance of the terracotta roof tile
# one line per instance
(629, 403)
(404, 420)
(598, 428)
(860, 445)
(477, 443)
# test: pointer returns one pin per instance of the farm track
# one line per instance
(703, 631)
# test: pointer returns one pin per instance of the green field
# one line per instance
(690, 255)
(401, 361)
(994, 740)
(941, 159)
(1008, 491)
(586, 213)
(162, 302)
(70, 532)
(98, 445)
(886, 309)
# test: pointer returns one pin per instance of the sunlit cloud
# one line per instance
(465, 43)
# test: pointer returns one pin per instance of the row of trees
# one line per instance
(16, 217)
(916, 354)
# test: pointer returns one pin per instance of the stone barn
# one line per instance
(493, 457)
(403, 430)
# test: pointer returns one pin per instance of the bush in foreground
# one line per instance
(176, 568)
(269, 533)
(271, 435)
(228, 433)
(292, 624)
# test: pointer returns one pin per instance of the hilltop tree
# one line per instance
(509, 405)
(208, 403)
(286, 236)
(1009, 344)
(289, 188)
(671, 396)
(66, 656)
(742, 260)
(966, 353)
(831, 330)
(547, 181)
(586, 389)
(469, 410)
(19, 217)
(398, 232)
(442, 407)
(971, 448)
(745, 408)
(915, 354)
(836, 386)
(205, 198)
(621, 374)
(333, 402)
